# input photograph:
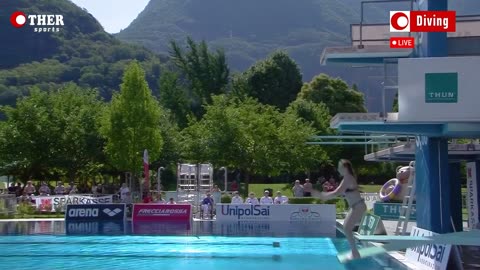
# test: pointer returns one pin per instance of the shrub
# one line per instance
(26, 208)
(226, 199)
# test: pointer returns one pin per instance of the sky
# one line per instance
(113, 15)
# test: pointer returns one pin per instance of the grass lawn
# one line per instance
(258, 189)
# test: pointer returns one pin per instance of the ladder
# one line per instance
(206, 178)
(187, 177)
(406, 207)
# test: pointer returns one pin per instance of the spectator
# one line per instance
(281, 199)
(18, 190)
(251, 199)
(127, 199)
(297, 189)
(60, 189)
(147, 198)
(123, 191)
(12, 189)
(30, 189)
(207, 205)
(73, 190)
(266, 199)
(44, 190)
(307, 188)
(217, 194)
(234, 186)
(159, 199)
(99, 189)
(94, 189)
(330, 185)
(171, 201)
(236, 199)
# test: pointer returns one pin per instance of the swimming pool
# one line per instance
(45, 245)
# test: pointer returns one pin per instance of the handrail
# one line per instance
(379, 1)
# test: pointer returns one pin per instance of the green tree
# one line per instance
(75, 114)
(28, 137)
(206, 72)
(316, 114)
(275, 81)
(173, 97)
(395, 104)
(251, 136)
(334, 93)
(52, 133)
(131, 123)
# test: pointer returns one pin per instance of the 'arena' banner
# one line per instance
(58, 202)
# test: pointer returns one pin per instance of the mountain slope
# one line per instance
(81, 52)
(249, 30)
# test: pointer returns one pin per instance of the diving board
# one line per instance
(395, 243)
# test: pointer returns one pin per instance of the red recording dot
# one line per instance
(18, 19)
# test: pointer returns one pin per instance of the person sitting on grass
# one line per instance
(349, 189)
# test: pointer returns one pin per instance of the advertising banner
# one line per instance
(276, 212)
(96, 212)
(161, 212)
(58, 202)
(369, 224)
(391, 211)
(429, 256)
(442, 89)
(472, 195)
(370, 199)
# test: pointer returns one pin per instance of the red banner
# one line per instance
(161, 212)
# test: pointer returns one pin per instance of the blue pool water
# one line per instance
(50, 245)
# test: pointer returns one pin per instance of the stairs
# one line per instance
(406, 208)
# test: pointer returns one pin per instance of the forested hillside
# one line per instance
(249, 30)
(81, 52)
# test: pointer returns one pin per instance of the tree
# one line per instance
(173, 97)
(316, 114)
(395, 103)
(131, 123)
(275, 81)
(75, 113)
(52, 133)
(28, 137)
(250, 136)
(206, 72)
(334, 93)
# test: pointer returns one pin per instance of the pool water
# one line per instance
(127, 251)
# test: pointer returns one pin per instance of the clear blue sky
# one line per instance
(114, 15)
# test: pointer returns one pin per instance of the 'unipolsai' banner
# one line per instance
(58, 202)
